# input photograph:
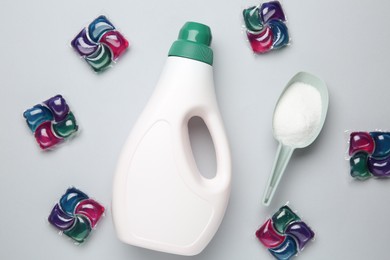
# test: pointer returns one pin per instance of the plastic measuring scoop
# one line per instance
(307, 134)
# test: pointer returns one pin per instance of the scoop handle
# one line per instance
(282, 158)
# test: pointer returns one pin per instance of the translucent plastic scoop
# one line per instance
(298, 119)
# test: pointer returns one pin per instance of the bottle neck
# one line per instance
(182, 76)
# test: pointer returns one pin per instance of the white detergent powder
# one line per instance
(298, 114)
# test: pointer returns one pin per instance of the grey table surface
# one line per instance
(343, 42)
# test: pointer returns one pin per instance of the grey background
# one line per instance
(343, 42)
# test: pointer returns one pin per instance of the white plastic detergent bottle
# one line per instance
(160, 199)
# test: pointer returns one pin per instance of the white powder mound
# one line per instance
(298, 114)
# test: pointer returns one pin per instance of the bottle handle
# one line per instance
(221, 181)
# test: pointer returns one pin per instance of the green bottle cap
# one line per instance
(193, 43)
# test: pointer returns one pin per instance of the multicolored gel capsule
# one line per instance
(100, 44)
(285, 234)
(51, 122)
(76, 214)
(266, 27)
(370, 154)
